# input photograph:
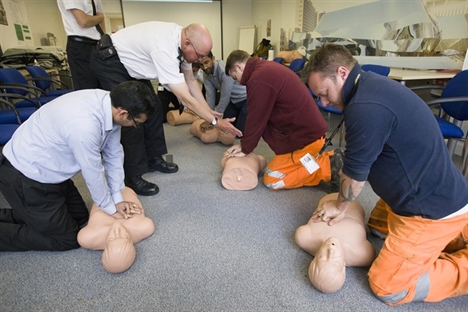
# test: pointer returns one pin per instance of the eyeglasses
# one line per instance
(137, 124)
(199, 56)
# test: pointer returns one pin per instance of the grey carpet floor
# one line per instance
(213, 250)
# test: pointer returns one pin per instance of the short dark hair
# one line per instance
(135, 97)
(236, 56)
(326, 60)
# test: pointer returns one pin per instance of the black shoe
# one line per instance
(141, 186)
(159, 164)
(336, 163)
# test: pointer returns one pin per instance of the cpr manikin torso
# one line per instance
(115, 236)
(334, 247)
(241, 173)
(209, 134)
(174, 117)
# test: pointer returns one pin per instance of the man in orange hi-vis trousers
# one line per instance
(394, 142)
(281, 110)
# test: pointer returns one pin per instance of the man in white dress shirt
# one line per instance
(79, 131)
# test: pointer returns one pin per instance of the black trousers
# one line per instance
(238, 110)
(43, 216)
(146, 141)
(167, 97)
(79, 54)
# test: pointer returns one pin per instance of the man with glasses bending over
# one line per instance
(77, 132)
(155, 51)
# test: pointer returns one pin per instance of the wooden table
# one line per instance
(404, 75)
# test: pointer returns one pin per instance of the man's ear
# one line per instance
(342, 72)
(122, 113)
(186, 43)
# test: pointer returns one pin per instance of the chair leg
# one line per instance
(451, 144)
(464, 158)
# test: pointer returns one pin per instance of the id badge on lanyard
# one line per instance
(309, 163)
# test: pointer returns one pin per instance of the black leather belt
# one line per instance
(83, 40)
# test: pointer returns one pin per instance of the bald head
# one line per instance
(197, 37)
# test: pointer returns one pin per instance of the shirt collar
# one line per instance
(350, 85)
(107, 105)
(216, 69)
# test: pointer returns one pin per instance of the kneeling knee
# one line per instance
(275, 186)
(419, 291)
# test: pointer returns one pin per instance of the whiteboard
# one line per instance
(247, 36)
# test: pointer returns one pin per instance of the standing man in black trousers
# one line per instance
(83, 21)
(155, 51)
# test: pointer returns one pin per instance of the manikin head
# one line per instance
(119, 253)
(327, 272)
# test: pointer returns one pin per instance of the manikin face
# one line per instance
(329, 90)
(327, 271)
(207, 65)
(119, 252)
(331, 252)
(118, 233)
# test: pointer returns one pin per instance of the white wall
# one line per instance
(44, 17)
(183, 14)
(282, 14)
(236, 13)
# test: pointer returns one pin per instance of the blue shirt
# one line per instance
(229, 88)
(73, 133)
(394, 141)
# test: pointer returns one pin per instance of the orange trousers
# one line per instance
(286, 171)
(421, 259)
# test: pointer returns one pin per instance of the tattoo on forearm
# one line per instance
(350, 197)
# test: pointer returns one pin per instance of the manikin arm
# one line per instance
(175, 118)
(190, 95)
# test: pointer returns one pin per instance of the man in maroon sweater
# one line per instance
(283, 112)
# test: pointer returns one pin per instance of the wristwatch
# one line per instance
(214, 122)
